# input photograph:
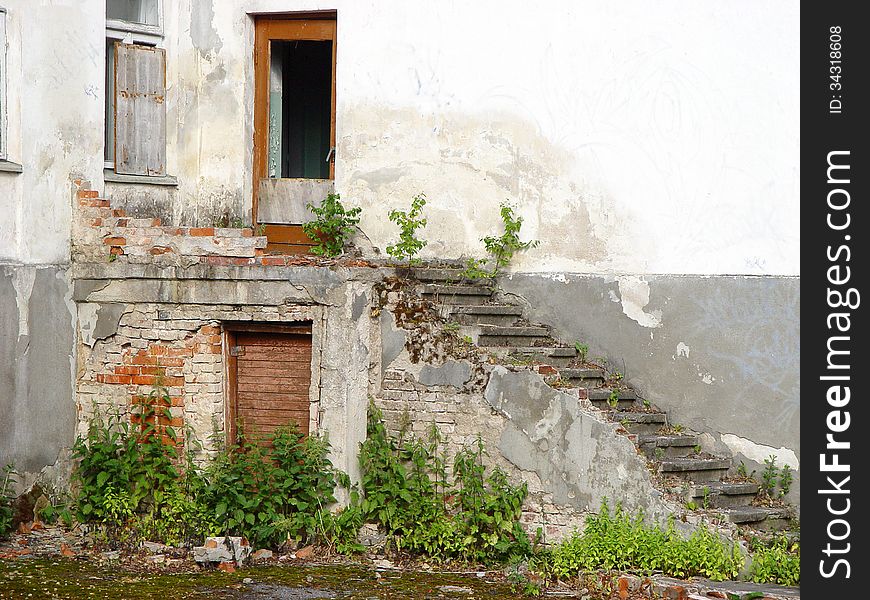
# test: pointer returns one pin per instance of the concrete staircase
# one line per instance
(680, 467)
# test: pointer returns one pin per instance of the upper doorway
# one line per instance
(294, 124)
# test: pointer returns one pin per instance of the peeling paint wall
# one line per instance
(623, 133)
(721, 355)
(37, 413)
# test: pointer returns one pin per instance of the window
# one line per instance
(294, 116)
(135, 140)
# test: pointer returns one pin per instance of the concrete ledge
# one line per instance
(110, 176)
(7, 166)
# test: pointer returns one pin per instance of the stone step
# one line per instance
(100, 212)
(557, 356)
(695, 469)
(640, 423)
(603, 393)
(485, 314)
(759, 517)
(583, 377)
(659, 447)
(723, 495)
(456, 294)
(124, 222)
(497, 335)
(446, 275)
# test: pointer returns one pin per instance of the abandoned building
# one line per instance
(157, 158)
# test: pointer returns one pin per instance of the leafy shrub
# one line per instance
(475, 518)
(409, 222)
(777, 561)
(269, 492)
(128, 477)
(501, 248)
(622, 542)
(332, 226)
(7, 480)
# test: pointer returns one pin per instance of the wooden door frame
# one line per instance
(230, 333)
(319, 26)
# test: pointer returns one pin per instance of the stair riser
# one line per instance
(620, 405)
(588, 382)
(457, 299)
(643, 428)
(724, 501)
(516, 341)
(666, 451)
(471, 320)
(701, 475)
(772, 524)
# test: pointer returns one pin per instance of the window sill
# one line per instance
(10, 167)
(111, 177)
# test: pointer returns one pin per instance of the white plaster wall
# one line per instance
(634, 137)
(54, 87)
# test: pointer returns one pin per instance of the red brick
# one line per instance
(127, 370)
(547, 370)
(582, 393)
(143, 379)
(157, 250)
(152, 370)
(115, 241)
(88, 194)
(119, 212)
(209, 329)
(273, 260)
(157, 350)
(140, 359)
(247, 233)
(201, 231)
(116, 250)
(96, 223)
(122, 379)
(156, 222)
(213, 339)
(180, 352)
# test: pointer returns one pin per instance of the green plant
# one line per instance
(332, 225)
(697, 448)
(582, 350)
(406, 492)
(613, 399)
(7, 482)
(691, 505)
(776, 561)
(677, 428)
(785, 480)
(501, 248)
(769, 475)
(409, 222)
(646, 403)
(742, 471)
(659, 453)
(623, 542)
(271, 489)
(522, 585)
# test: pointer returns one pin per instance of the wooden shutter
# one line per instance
(140, 112)
(272, 379)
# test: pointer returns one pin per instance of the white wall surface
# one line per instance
(54, 87)
(634, 137)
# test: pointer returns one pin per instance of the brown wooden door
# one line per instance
(284, 185)
(270, 375)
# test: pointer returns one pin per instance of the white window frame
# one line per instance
(130, 27)
(127, 32)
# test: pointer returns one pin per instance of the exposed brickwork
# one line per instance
(460, 417)
(178, 347)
